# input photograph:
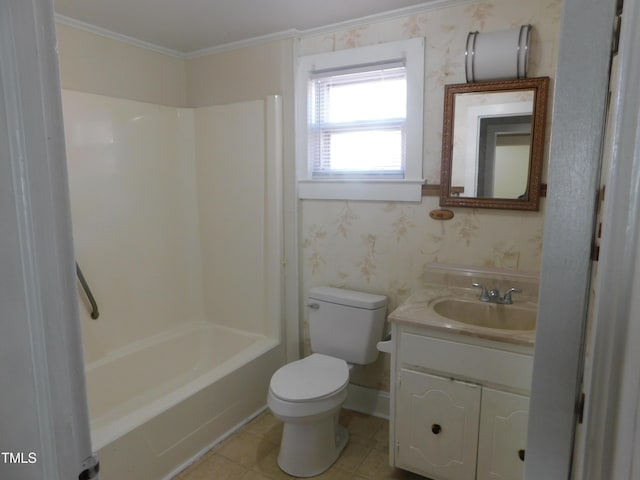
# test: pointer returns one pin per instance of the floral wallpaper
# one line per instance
(383, 247)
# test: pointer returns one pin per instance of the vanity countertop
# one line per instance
(417, 311)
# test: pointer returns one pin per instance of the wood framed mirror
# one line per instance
(493, 144)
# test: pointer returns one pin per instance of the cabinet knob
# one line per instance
(436, 429)
(521, 454)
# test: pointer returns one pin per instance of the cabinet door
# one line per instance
(503, 435)
(437, 426)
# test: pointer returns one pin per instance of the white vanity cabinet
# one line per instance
(437, 425)
(459, 405)
(503, 435)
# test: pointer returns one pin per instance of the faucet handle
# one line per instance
(484, 296)
(507, 296)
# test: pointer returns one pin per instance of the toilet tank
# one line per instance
(346, 324)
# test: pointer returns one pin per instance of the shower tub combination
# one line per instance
(187, 272)
(157, 404)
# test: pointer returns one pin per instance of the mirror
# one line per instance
(492, 144)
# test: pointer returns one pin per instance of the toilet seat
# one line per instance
(313, 378)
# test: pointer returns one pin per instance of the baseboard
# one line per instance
(368, 400)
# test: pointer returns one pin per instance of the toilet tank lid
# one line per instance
(350, 298)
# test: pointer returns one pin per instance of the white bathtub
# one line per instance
(173, 395)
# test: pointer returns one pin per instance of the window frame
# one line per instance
(353, 186)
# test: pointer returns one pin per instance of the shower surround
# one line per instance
(177, 227)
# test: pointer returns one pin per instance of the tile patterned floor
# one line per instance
(250, 454)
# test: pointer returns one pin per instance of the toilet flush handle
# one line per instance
(314, 306)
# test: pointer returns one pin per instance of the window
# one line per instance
(350, 135)
(360, 123)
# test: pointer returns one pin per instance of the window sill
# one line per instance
(372, 190)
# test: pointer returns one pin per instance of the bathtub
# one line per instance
(172, 396)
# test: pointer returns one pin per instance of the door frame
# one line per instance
(575, 153)
(44, 413)
(611, 448)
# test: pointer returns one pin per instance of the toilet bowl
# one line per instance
(307, 394)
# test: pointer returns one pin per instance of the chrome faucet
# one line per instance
(484, 296)
(507, 300)
(493, 295)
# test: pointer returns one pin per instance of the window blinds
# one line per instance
(357, 120)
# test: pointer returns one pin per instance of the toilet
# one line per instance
(307, 394)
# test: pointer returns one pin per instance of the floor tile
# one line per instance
(360, 424)
(214, 466)
(376, 467)
(268, 466)
(382, 438)
(252, 453)
(252, 475)
(266, 425)
(352, 456)
(334, 473)
(246, 448)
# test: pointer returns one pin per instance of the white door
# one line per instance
(503, 435)
(437, 426)
(44, 431)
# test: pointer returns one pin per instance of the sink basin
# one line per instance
(487, 315)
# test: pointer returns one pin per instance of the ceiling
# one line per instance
(191, 25)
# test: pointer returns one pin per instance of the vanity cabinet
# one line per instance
(503, 435)
(459, 406)
(437, 425)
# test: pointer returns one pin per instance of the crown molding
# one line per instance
(249, 42)
(425, 7)
(103, 32)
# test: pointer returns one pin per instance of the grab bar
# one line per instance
(87, 291)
